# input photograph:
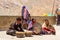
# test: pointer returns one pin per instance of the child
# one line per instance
(16, 26)
(47, 28)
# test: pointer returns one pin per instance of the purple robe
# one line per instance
(26, 13)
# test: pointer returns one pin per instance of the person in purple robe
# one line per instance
(25, 13)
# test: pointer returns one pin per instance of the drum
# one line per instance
(20, 34)
(37, 28)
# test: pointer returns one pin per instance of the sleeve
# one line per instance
(44, 25)
(30, 25)
(11, 26)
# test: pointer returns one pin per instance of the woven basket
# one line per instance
(28, 34)
(20, 34)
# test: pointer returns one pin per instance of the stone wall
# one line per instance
(5, 21)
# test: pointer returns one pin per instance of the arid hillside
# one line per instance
(35, 7)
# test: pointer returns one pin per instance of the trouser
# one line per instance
(11, 32)
(43, 32)
(31, 28)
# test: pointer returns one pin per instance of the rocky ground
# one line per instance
(3, 36)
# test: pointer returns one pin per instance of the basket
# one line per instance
(20, 34)
(28, 33)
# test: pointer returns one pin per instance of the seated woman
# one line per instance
(35, 27)
(47, 28)
(30, 24)
(16, 26)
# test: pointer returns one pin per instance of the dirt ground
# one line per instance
(3, 36)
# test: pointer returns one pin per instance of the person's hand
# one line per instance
(52, 30)
(49, 32)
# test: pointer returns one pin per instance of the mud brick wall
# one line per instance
(5, 21)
